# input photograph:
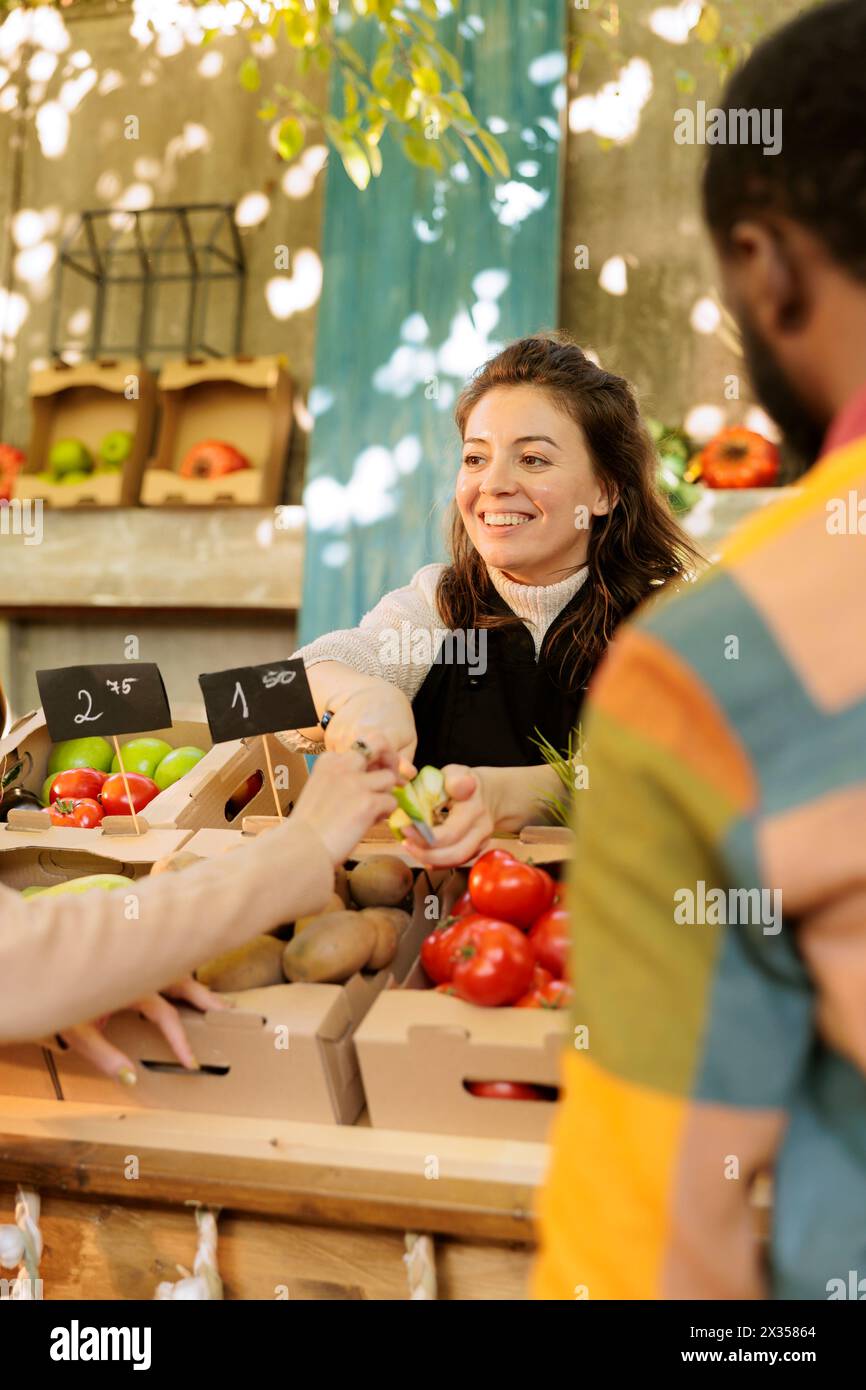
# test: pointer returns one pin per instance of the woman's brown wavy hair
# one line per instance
(633, 550)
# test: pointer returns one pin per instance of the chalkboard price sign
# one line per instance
(82, 701)
(258, 700)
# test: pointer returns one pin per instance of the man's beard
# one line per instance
(803, 433)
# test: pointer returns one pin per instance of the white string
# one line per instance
(420, 1262)
(204, 1283)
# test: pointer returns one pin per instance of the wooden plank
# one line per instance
(333, 1175)
(95, 1250)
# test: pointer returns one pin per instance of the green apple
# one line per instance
(69, 456)
(116, 447)
(67, 478)
(105, 467)
(142, 755)
(175, 765)
(79, 885)
(46, 787)
(81, 752)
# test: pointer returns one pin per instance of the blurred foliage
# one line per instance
(726, 32)
(675, 448)
(412, 85)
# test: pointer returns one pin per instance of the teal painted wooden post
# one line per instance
(425, 276)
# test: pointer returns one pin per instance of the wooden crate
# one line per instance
(243, 401)
(86, 402)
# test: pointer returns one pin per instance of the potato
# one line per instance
(330, 949)
(387, 936)
(334, 904)
(380, 881)
(252, 966)
(341, 886)
(397, 915)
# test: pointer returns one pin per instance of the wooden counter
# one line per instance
(308, 1211)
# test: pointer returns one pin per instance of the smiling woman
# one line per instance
(557, 534)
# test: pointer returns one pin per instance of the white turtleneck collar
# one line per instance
(537, 604)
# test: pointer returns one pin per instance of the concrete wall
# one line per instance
(639, 199)
(199, 140)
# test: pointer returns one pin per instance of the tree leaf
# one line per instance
(449, 63)
(290, 138)
(400, 96)
(478, 154)
(297, 28)
(374, 154)
(251, 78)
(709, 26)
(497, 154)
(427, 80)
(425, 153)
(355, 162)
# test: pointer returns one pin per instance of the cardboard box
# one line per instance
(47, 858)
(26, 1069)
(286, 1052)
(243, 401)
(201, 799)
(415, 1033)
(87, 401)
(29, 739)
(198, 800)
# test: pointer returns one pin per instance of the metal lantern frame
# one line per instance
(156, 232)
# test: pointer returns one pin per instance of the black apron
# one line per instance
(487, 715)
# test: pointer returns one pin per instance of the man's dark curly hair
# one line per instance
(814, 71)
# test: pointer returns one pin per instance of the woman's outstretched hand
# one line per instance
(89, 1041)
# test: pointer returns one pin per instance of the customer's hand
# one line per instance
(89, 1041)
(345, 795)
(469, 825)
(379, 715)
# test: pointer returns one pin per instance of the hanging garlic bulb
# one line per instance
(205, 1282)
(11, 1247)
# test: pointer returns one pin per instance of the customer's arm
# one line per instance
(67, 959)
(686, 1051)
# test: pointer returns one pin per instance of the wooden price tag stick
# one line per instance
(126, 786)
(271, 777)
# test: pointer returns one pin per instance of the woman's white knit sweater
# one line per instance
(399, 638)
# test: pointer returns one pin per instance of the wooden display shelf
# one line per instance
(320, 1210)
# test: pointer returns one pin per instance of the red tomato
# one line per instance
(738, 457)
(446, 988)
(438, 950)
(212, 458)
(114, 799)
(494, 962)
(463, 907)
(84, 814)
(77, 784)
(502, 887)
(549, 939)
(506, 1090)
(555, 994)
